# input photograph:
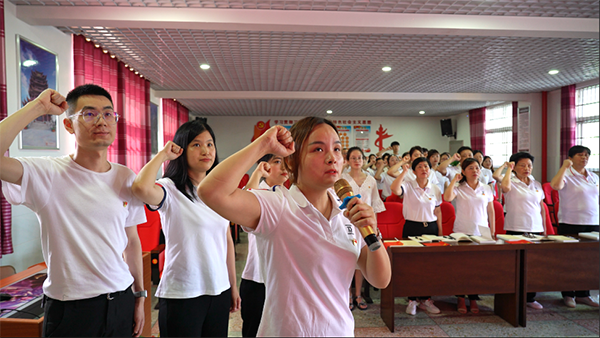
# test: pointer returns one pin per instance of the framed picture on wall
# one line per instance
(38, 69)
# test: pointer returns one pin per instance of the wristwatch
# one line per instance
(139, 294)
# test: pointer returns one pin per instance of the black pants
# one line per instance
(92, 317)
(412, 228)
(203, 316)
(573, 229)
(530, 295)
(253, 302)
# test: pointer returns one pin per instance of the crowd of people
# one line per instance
(305, 248)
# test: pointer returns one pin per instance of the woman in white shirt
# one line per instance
(578, 193)
(309, 246)
(366, 186)
(198, 287)
(434, 158)
(474, 208)
(524, 198)
(422, 213)
(271, 171)
(385, 177)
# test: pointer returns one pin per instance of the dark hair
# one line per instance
(405, 153)
(419, 160)
(486, 157)
(467, 162)
(385, 156)
(445, 153)
(579, 149)
(432, 153)
(350, 150)
(373, 155)
(463, 148)
(413, 149)
(425, 150)
(395, 143)
(86, 89)
(475, 152)
(300, 132)
(265, 158)
(520, 156)
(177, 169)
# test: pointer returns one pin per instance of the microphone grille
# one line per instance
(342, 188)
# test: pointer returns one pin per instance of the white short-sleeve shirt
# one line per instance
(308, 262)
(386, 184)
(252, 269)
(419, 203)
(368, 192)
(195, 248)
(452, 170)
(83, 215)
(579, 199)
(486, 176)
(522, 203)
(471, 207)
(441, 180)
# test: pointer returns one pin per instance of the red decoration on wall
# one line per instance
(382, 133)
(260, 128)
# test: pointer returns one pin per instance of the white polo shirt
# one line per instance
(486, 176)
(368, 192)
(252, 269)
(471, 207)
(441, 180)
(83, 215)
(195, 248)
(452, 170)
(579, 199)
(308, 263)
(410, 175)
(522, 203)
(386, 184)
(419, 203)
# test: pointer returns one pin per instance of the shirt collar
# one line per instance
(303, 203)
(416, 185)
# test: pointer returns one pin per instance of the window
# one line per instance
(498, 133)
(587, 123)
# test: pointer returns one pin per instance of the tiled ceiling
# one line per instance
(320, 107)
(272, 60)
(544, 8)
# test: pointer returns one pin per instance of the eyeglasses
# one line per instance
(92, 116)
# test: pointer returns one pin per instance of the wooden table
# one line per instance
(561, 267)
(454, 270)
(33, 327)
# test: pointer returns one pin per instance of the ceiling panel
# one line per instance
(281, 61)
(543, 8)
(320, 107)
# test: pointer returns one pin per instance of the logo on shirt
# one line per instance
(124, 204)
(350, 229)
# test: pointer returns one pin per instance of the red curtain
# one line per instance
(131, 99)
(183, 114)
(174, 115)
(477, 128)
(6, 246)
(515, 127)
(567, 120)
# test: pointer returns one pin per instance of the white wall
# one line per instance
(234, 133)
(25, 226)
(553, 144)
(462, 128)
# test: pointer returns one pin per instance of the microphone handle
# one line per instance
(369, 235)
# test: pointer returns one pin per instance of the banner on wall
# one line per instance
(345, 132)
(523, 129)
(362, 137)
(286, 123)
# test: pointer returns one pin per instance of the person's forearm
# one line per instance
(133, 258)
(254, 180)
(497, 175)
(558, 181)
(11, 126)
(506, 181)
(444, 165)
(396, 186)
(379, 271)
(492, 218)
(449, 194)
(144, 184)
(231, 262)
(438, 214)
(377, 175)
(393, 169)
(223, 180)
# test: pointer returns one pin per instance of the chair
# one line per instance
(499, 218)
(549, 226)
(149, 234)
(394, 198)
(391, 221)
(556, 201)
(244, 181)
(7, 271)
(548, 199)
(448, 218)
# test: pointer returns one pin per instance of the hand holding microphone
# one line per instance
(358, 212)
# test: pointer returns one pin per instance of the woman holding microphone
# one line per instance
(421, 210)
(474, 208)
(310, 248)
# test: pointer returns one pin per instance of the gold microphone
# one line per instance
(343, 190)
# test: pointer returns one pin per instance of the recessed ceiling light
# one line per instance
(204, 66)
(553, 72)
(330, 112)
(386, 69)
(422, 112)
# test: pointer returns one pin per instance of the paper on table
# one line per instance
(589, 235)
(563, 239)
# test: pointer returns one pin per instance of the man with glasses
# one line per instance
(87, 214)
